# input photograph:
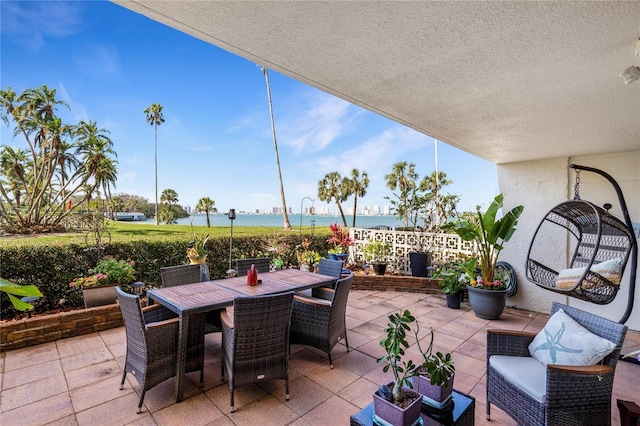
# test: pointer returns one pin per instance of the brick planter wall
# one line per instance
(396, 283)
(47, 328)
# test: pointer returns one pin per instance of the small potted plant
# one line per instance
(394, 403)
(376, 253)
(197, 252)
(487, 295)
(99, 288)
(453, 279)
(434, 376)
(307, 257)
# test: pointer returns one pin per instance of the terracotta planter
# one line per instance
(487, 304)
(392, 414)
(99, 296)
(433, 395)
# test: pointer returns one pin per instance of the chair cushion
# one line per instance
(610, 269)
(527, 373)
(564, 341)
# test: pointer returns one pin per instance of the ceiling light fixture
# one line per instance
(631, 74)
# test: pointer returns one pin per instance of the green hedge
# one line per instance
(52, 268)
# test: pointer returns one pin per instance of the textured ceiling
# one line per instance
(506, 81)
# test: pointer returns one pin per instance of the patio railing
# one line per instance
(443, 247)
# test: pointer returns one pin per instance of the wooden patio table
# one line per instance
(190, 299)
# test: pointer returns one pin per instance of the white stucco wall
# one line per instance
(540, 185)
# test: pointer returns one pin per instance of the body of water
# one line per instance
(275, 221)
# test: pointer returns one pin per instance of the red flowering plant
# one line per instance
(340, 239)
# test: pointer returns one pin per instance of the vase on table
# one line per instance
(99, 295)
(305, 267)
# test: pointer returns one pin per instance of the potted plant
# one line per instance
(434, 377)
(376, 253)
(197, 252)
(453, 278)
(307, 257)
(341, 242)
(99, 288)
(487, 295)
(394, 403)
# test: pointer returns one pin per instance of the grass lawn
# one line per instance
(127, 231)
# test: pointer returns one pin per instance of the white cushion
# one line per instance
(564, 341)
(525, 372)
(610, 269)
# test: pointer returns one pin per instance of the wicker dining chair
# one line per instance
(262, 264)
(320, 321)
(188, 274)
(152, 343)
(573, 395)
(255, 339)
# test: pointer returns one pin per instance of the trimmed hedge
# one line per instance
(52, 268)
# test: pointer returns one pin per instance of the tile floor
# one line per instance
(75, 381)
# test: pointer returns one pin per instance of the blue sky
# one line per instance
(109, 64)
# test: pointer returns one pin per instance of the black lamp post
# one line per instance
(232, 215)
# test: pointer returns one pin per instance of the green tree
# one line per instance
(285, 216)
(206, 205)
(357, 186)
(332, 187)
(38, 183)
(403, 177)
(154, 117)
(169, 196)
(166, 215)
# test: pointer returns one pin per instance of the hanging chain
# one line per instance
(576, 187)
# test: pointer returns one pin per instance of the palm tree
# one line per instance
(155, 118)
(358, 185)
(333, 187)
(206, 205)
(169, 196)
(285, 216)
(402, 177)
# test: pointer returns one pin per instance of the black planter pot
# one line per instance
(453, 301)
(379, 268)
(419, 263)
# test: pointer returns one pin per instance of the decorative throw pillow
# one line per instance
(564, 341)
(610, 269)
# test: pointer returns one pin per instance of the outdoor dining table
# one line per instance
(190, 299)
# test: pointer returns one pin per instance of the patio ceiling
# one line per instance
(506, 81)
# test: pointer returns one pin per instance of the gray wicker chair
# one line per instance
(183, 274)
(320, 322)
(243, 265)
(188, 274)
(255, 339)
(575, 395)
(152, 343)
(330, 267)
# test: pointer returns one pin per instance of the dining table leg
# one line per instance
(183, 332)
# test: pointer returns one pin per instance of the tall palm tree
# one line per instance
(333, 187)
(169, 196)
(155, 118)
(205, 205)
(285, 216)
(403, 177)
(358, 185)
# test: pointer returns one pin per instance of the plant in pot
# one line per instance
(307, 258)
(376, 253)
(487, 295)
(341, 241)
(453, 279)
(434, 377)
(99, 288)
(394, 403)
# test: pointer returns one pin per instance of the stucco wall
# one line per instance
(540, 185)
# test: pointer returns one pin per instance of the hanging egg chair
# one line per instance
(601, 245)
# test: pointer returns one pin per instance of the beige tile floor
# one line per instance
(75, 381)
